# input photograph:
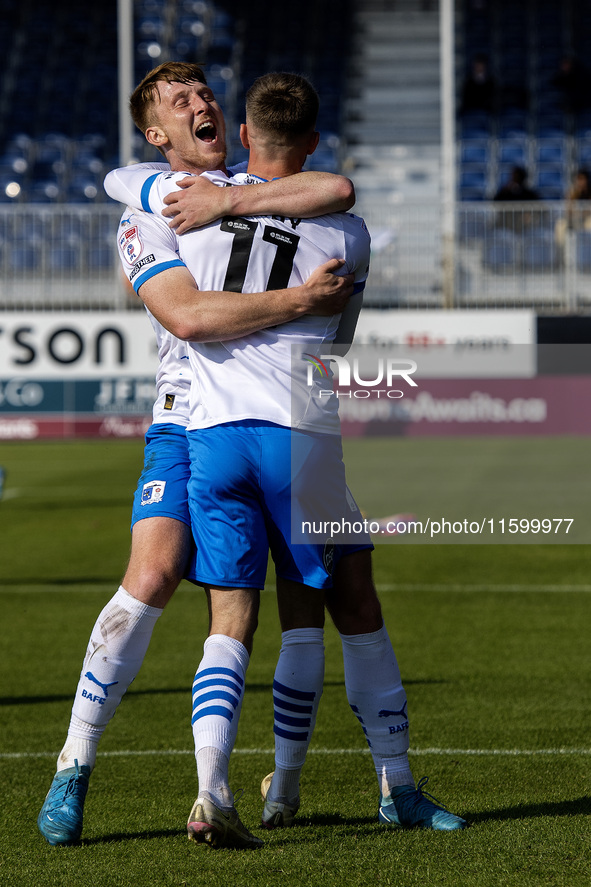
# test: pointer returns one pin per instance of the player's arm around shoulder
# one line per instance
(176, 302)
(303, 196)
(143, 186)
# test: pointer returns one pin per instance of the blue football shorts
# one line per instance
(252, 485)
(162, 486)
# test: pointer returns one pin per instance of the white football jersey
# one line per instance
(267, 375)
(144, 186)
(173, 378)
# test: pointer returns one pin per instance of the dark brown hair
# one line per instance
(282, 103)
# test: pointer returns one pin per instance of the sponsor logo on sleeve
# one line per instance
(147, 260)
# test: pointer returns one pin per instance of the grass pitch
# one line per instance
(493, 643)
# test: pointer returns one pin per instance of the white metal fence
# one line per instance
(60, 258)
(535, 255)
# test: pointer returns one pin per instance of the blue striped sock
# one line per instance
(218, 690)
(297, 688)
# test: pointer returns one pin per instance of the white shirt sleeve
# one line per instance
(143, 185)
(147, 246)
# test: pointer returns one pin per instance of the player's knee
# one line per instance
(358, 612)
(153, 583)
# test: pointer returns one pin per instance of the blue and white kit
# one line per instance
(253, 396)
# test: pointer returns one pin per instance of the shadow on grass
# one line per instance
(168, 691)
(134, 836)
(575, 807)
(267, 688)
(287, 836)
(39, 700)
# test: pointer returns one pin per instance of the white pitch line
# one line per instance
(455, 752)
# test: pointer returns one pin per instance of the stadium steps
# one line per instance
(392, 127)
(392, 132)
(394, 88)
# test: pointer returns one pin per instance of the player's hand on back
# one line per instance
(328, 292)
(198, 203)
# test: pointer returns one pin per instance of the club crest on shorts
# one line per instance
(153, 492)
(328, 556)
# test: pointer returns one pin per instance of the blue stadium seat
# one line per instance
(513, 123)
(473, 182)
(583, 251)
(46, 191)
(101, 256)
(551, 150)
(583, 152)
(513, 151)
(65, 259)
(540, 251)
(473, 225)
(501, 252)
(83, 189)
(475, 151)
(25, 258)
(550, 124)
(551, 181)
(476, 124)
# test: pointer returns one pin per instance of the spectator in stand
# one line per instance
(577, 216)
(574, 82)
(515, 189)
(479, 92)
(578, 207)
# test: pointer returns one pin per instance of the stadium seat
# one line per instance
(550, 125)
(583, 251)
(46, 191)
(583, 152)
(475, 151)
(474, 176)
(83, 189)
(540, 251)
(513, 151)
(473, 225)
(101, 257)
(551, 181)
(551, 150)
(513, 124)
(501, 252)
(25, 258)
(476, 124)
(65, 259)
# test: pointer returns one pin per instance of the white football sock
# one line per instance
(377, 698)
(297, 688)
(115, 652)
(218, 690)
